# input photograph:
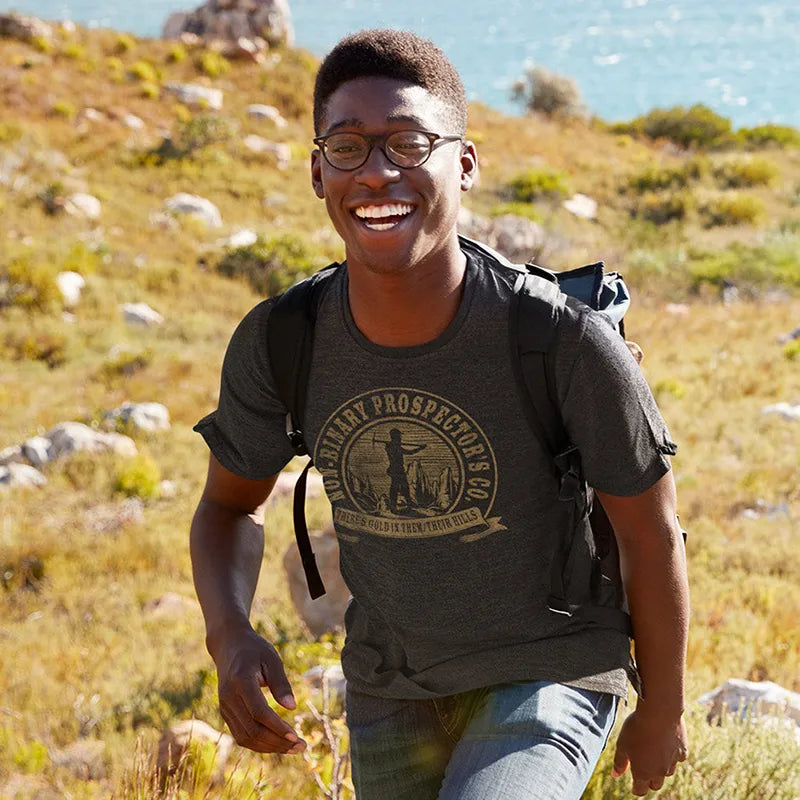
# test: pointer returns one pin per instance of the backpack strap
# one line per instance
(290, 342)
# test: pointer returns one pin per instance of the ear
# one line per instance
(316, 173)
(469, 165)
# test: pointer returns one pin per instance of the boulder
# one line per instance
(11, 455)
(267, 112)
(171, 605)
(234, 19)
(37, 451)
(194, 94)
(85, 759)
(70, 437)
(140, 314)
(258, 144)
(183, 203)
(175, 740)
(80, 204)
(326, 613)
(243, 238)
(517, 238)
(786, 410)
(23, 476)
(246, 49)
(133, 122)
(143, 416)
(26, 29)
(114, 517)
(582, 206)
(70, 284)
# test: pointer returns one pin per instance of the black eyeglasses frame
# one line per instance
(374, 138)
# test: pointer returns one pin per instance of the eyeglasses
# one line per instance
(407, 149)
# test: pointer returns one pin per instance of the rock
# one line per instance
(183, 203)
(761, 508)
(26, 29)
(258, 144)
(582, 206)
(242, 238)
(37, 451)
(70, 284)
(167, 489)
(133, 122)
(517, 238)
(676, 309)
(143, 416)
(246, 49)
(171, 605)
(195, 95)
(337, 685)
(753, 700)
(80, 204)
(22, 476)
(233, 19)
(326, 613)
(284, 485)
(114, 517)
(85, 759)
(70, 437)
(140, 314)
(267, 112)
(786, 410)
(29, 786)
(788, 337)
(175, 740)
(11, 455)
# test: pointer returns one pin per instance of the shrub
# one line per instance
(193, 134)
(9, 132)
(791, 350)
(535, 184)
(655, 178)
(63, 108)
(213, 64)
(143, 71)
(661, 208)
(770, 134)
(124, 363)
(29, 284)
(548, 92)
(43, 44)
(527, 210)
(150, 90)
(697, 126)
(731, 209)
(74, 50)
(177, 54)
(47, 346)
(125, 43)
(735, 173)
(138, 477)
(270, 265)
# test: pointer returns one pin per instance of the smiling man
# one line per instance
(463, 681)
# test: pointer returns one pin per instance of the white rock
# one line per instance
(70, 285)
(196, 95)
(81, 204)
(677, 309)
(786, 410)
(144, 416)
(174, 741)
(20, 475)
(70, 437)
(267, 112)
(174, 25)
(337, 684)
(85, 759)
(68, 26)
(37, 451)
(326, 613)
(11, 455)
(133, 122)
(582, 206)
(140, 314)
(286, 481)
(114, 517)
(93, 115)
(258, 144)
(171, 604)
(184, 203)
(242, 238)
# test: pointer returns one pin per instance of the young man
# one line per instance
(461, 682)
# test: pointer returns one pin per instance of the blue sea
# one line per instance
(741, 57)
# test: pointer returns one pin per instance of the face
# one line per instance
(392, 218)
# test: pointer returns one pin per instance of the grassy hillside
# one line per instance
(82, 558)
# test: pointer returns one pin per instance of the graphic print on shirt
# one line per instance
(407, 464)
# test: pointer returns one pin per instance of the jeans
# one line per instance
(517, 741)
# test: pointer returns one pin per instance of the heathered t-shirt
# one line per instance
(444, 502)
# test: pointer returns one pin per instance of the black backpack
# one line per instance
(585, 580)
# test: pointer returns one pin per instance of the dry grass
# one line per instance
(81, 657)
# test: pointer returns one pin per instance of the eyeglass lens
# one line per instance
(402, 148)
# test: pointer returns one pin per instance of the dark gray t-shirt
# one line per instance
(443, 500)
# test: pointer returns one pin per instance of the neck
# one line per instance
(407, 307)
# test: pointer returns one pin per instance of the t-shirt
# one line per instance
(444, 502)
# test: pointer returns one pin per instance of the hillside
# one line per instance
(95, 139)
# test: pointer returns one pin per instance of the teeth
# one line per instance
(389, 210)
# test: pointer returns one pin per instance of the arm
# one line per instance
(653, 737)
(227, 542)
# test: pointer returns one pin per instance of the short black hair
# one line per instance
(388, 53)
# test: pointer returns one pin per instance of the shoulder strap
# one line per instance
(290, 342)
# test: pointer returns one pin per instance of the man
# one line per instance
(461, 682)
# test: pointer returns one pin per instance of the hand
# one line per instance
(246, 662)
(652, 748)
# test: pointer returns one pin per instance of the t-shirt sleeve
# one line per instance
(608, 408)
(247, 432)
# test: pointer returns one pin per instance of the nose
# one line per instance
(377, 170)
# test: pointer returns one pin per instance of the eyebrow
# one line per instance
(354, 122)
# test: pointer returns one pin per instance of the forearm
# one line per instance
(226, 549)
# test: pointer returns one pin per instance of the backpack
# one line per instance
(585, 578)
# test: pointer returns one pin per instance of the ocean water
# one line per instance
(740, 57)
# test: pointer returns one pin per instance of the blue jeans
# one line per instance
(516, 741)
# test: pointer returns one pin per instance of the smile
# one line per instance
(383, 217)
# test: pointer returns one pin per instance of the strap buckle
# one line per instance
(296, 438)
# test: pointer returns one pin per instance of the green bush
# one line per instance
(791, 350)
(661, 208)
(538, 184)
(29, 284)
(270, 265)
(177, 54)
(731, 209)
(125, 43)
(548, 92)
(143, 71)
(697, 126)
(63, 108)
(656, 178)
(213, 64)
(124, 363)
(768, 135)
(193, 134)
(138, 477)
(74, 50)
(527, 210)
(736, 173)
